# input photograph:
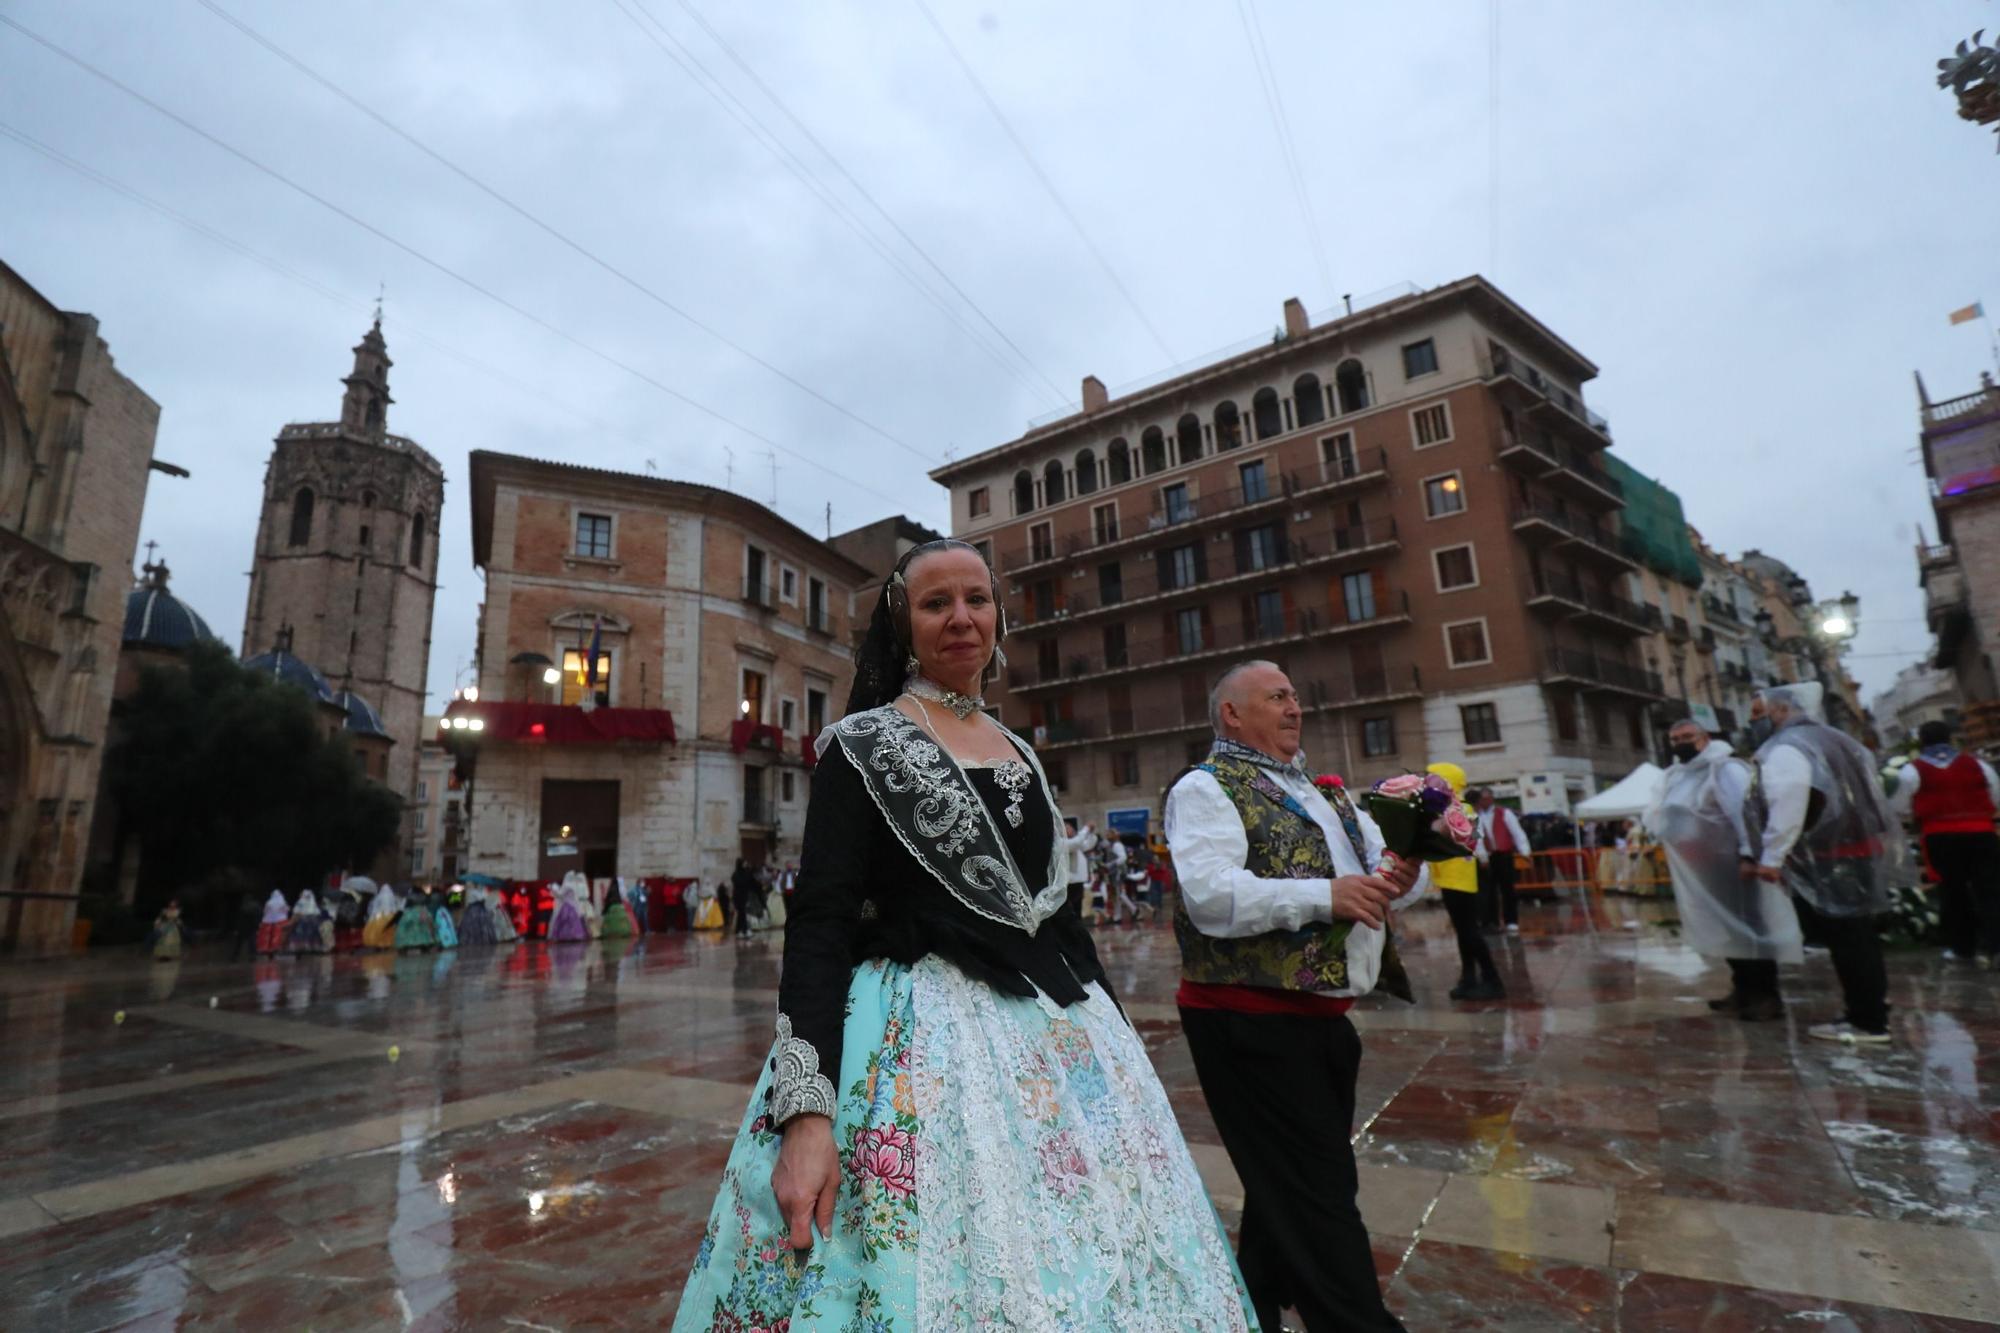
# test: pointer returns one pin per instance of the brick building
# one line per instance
(345, 567)
(76, 444)
(1405, 506)
(1961, 572)
(722, 647)
(437, 826)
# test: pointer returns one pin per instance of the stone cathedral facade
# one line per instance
(344, 576)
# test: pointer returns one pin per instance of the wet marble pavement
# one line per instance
(532, 1137)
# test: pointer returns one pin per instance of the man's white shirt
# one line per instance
(1224, 899)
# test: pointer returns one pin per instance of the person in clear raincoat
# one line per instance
(1828, 835)
(1726, 911)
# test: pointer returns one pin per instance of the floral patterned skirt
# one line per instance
(1010, 1164)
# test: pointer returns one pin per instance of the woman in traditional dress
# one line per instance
(475, 923)
(961, 1130)
(380, 930)
(305, 935)
(277, 920)
(617, 921)
(416, 928)
(568, 923)
(503, 918)
(708, 907)
(167, 932)
(447, 929)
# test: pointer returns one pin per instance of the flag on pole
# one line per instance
(590, 662)
(1968, 314)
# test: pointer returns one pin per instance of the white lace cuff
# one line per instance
(797, 1086)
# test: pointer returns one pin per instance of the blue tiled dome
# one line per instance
(292, 671)
(155, 618)
(362, 719)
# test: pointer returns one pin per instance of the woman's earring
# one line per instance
(999, 661)
(911, 666)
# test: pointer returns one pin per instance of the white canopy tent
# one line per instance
(1629, 798)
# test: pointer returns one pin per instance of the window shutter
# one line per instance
(1201, 562)
(1380, 580)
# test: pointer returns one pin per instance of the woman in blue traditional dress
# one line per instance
(304, 935)
(447, 929)
(416, 928)
(476, 922)
(961, 1130)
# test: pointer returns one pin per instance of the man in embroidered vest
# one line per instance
(1953, 796)
(1281, 922)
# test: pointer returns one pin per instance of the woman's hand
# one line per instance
(807, 1177)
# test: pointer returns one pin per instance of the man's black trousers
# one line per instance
(1281, 1089)
(1968, 870)
(1856, 947)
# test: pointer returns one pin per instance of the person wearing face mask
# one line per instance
(1826, 833)
(956, 1126)
(1725, 910)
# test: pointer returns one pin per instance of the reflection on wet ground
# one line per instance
(531, 1137)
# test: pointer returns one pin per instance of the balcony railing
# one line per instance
(819, 620)
(1704, 639)
(1167, 515)
(1576, 664)
(1678, 629)
(1240, 562)
(1589, 533)
(1500, 362)
(1170, 650)
(1720, 610)
(759, 593)
(1623, 612)
(1335, 688)
(760, 810)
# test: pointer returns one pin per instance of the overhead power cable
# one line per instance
(550, 229)
(1050, 186)
(1281, 125)
(404, 329)
(424, 259)
(863, 191)
(690, 64)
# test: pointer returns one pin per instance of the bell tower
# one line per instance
(364, 412)
(346, 558)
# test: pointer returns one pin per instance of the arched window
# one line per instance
(1307, 401)
(1265, 411)
(1350, 383)
(1052, 483)
(1153, 451)
(1118, 462)
(1228, 426)
(1024, 492)
(1086, 472)
(374, 413)
(1189, 433)
(417, 538)
(302, 517)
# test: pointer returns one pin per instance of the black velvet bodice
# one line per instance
(862, 894)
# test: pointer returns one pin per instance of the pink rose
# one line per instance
(1454, 825)
(889, 1155)
(1401, 787)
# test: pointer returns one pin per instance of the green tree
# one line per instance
(231, 783)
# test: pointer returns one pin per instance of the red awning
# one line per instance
(744, 733)
(559, 724)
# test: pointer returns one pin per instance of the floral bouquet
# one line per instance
(1420, 817)
(1327, 784)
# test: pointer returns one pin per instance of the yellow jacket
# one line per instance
(1460, 874)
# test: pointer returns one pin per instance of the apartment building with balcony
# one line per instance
(1407, 507)
(654, 661)
(1960, 572)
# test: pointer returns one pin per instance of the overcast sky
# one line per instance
(1754, 218)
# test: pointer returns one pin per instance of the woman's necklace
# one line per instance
(961, 705)
(1012, 775)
